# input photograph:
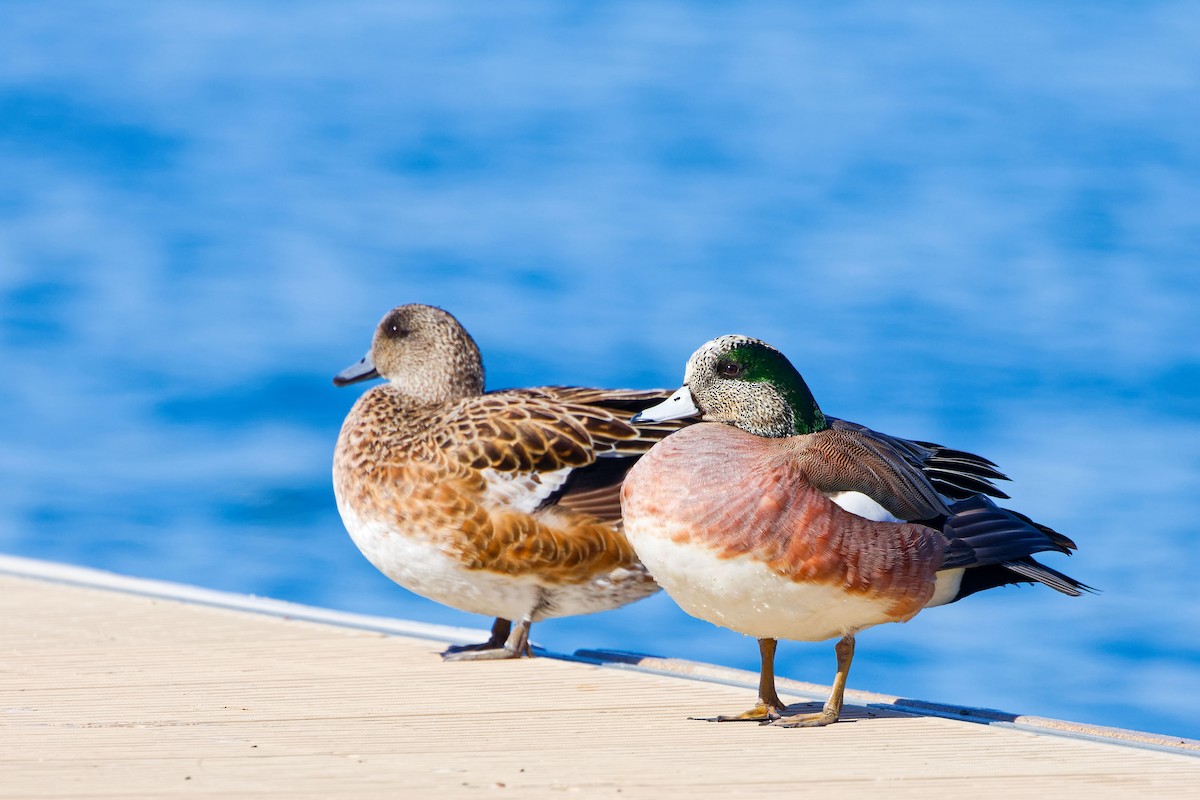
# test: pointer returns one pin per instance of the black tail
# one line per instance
(996, 546)
(1012, 573)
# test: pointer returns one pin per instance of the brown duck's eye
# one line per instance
(396, 331)
(729, 369)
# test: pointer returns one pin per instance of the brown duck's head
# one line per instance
(424, 353)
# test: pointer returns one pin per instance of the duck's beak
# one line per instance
(362, 371)
(680, 405)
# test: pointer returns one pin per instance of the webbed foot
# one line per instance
(762, 712)
(507, 641)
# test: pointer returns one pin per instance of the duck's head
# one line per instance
(746, 383)
(423, 352)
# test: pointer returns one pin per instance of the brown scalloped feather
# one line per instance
(423, 470)
(562, 546)
(603, 503)
(519, 544)
(514, 431)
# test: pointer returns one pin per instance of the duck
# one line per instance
(504, 503)
(774, 520)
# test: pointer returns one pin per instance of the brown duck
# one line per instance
(503, 503)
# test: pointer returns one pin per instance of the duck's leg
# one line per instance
(769, 705)
(462, 652)
(518, 641)
(833, 706)
(515, 646)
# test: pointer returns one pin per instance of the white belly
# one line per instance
(420, 565)
(745, 595)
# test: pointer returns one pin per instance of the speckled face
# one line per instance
(747, 383)
(426, 353)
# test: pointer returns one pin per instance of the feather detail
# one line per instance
(839, 460)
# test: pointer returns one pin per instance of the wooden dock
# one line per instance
(114, 687)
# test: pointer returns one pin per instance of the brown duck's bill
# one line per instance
(680, 405)
(364, 370)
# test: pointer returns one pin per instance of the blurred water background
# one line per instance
(972, 224)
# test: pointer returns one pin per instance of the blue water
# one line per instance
(972, 225)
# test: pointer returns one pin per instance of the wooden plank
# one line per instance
(108, 693)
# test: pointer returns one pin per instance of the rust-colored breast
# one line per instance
(742, 495)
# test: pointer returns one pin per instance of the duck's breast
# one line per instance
(731, 529)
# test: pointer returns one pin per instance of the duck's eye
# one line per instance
(395, 331)
(729, 369)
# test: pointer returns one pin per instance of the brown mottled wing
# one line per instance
(600, 408)
(596, 489)
(552, 428)
(847, 460)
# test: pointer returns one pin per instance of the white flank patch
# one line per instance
(743, 594)
(948, 581)
(863, 506)
(521, 491)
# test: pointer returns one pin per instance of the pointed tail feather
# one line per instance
(996, 545)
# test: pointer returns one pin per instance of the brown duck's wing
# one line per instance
(607, 405)
(847, 460)
(581, 435)
(619, 399)
(594, 490)
(956, 474)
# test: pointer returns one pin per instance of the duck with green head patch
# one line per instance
(776, 521)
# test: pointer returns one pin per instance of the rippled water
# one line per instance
(976, 226)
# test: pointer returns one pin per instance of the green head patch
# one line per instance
(743, 359)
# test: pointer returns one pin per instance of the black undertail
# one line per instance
(996, 547)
